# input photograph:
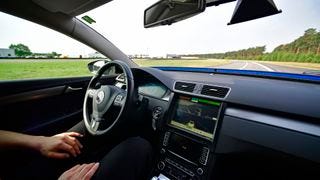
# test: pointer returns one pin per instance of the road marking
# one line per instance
(243, 67)
(263, 66)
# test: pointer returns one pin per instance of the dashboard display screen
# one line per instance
(196, 115)
(154, 89)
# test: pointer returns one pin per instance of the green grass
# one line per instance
(27, 69)
(179, 63)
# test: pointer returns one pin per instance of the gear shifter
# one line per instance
(160, 177)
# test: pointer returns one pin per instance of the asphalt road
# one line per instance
(257, 66)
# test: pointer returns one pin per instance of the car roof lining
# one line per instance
(70, 7)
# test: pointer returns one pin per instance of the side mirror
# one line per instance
(166, 12)
(94, 66)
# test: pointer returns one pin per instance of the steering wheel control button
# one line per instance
(119, 100)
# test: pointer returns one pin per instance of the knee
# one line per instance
(140, 146)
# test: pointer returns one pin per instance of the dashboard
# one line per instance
(147, 86)
(216, 126)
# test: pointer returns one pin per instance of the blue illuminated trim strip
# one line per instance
(302, 77)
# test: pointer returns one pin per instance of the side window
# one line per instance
(31, 51)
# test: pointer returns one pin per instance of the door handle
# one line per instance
(73, 89)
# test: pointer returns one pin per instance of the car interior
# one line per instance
(202, 124)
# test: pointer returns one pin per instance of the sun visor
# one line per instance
(247, 10)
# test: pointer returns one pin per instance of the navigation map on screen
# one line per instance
(196, 115)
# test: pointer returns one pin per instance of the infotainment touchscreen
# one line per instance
(195, 115)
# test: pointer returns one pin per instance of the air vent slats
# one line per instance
(214, 91)
(183, 86)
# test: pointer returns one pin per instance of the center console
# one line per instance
(187, 139)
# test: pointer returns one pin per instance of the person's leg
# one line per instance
(131, 159)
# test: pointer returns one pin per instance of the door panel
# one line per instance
(39, 107)
(42, 106)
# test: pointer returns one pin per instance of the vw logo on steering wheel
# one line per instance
(100, 97)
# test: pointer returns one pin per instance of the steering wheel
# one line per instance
(105, 99)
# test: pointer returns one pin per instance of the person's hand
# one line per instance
(80, 172)
(60, 146)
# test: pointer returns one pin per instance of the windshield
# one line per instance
(287, 42)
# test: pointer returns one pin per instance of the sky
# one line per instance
(121, 21)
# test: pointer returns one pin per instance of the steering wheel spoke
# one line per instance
(94, 125)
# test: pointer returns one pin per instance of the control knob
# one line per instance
(200, 171)
(161, 165)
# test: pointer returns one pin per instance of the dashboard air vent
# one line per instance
(215, 91)
(182, 86)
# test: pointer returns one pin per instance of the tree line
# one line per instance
(250, 53)
(304, 49)
(22, 50)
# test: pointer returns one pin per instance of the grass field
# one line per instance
(27, 69)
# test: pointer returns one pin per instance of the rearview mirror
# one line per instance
(166, 12)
